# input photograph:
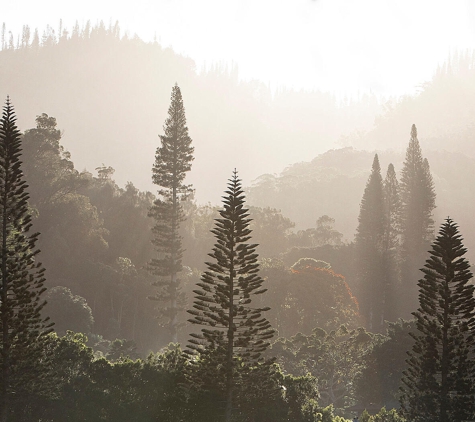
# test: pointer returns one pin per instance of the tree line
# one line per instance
(230, 370)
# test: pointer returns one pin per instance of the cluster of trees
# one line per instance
(394, 232)
(45, 377)
(101, 63)
(233, 367)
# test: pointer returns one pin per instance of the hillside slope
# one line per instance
(111, 93)
(333, 183)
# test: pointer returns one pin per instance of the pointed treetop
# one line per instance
(413, 132)
(391, 169)
(376, 166)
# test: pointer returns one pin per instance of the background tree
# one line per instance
(316, 297)
(68, 311)
(47, 165)
(369, 250)
(325, 234)
(335, 358)
(391, 242)
(23, 329)
(417, 225)
(238, 334)
(172, 161)
(380, 377)
(438, 384)
(270, 230)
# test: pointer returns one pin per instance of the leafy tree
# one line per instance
(307, 295)
(335, 358)
(325, 234)
(172, 161)
(47, 166)
(383, 367)
(369, 250)
(70, 223)
(21, 279)
(271, 230)
(321, 235)
(417, 225)
(68, 311)
(385, 415)
(121, 349)
(438, 384)
(238, 335)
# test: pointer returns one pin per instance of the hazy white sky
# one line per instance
(345, 46)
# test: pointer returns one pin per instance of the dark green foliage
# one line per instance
(438, 384)
(122, 349)
(229, 352)
(369, 242)
(417, 225)
(23, 329)
(383, 415)
(380, 377)
(87, 388)
(334, 358)
(172, 161)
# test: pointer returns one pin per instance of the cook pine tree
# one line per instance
(23, 329)
(228, 351)
(391, 241)
(369, 250)
(172, 162)
(438, 384)
(417, 224)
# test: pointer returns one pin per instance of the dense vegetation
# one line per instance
(290, 320)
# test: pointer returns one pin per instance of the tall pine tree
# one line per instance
(172, 161)
(417, 224)
(23, 329)
(369, 250)
(439, 382)
(231, 348)
(391, 242)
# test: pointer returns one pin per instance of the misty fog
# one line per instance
(334, 199)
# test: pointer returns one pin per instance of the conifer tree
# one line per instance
(23, 329)
(391, 242)
(231, 348)
(417, 225)
(438, 384)
(172, 161)
(369, 249)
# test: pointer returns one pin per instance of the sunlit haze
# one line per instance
(342, 46)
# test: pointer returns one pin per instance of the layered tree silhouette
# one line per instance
(391, 242)
(23, 329)
(229, 350)
(369, 250)
(417, 224)
(438, 384)
(172, 161)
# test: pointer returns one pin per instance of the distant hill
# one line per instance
(110, 95)
(443, 110)
(333, 183)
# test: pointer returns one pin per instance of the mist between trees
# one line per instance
(297, 298)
